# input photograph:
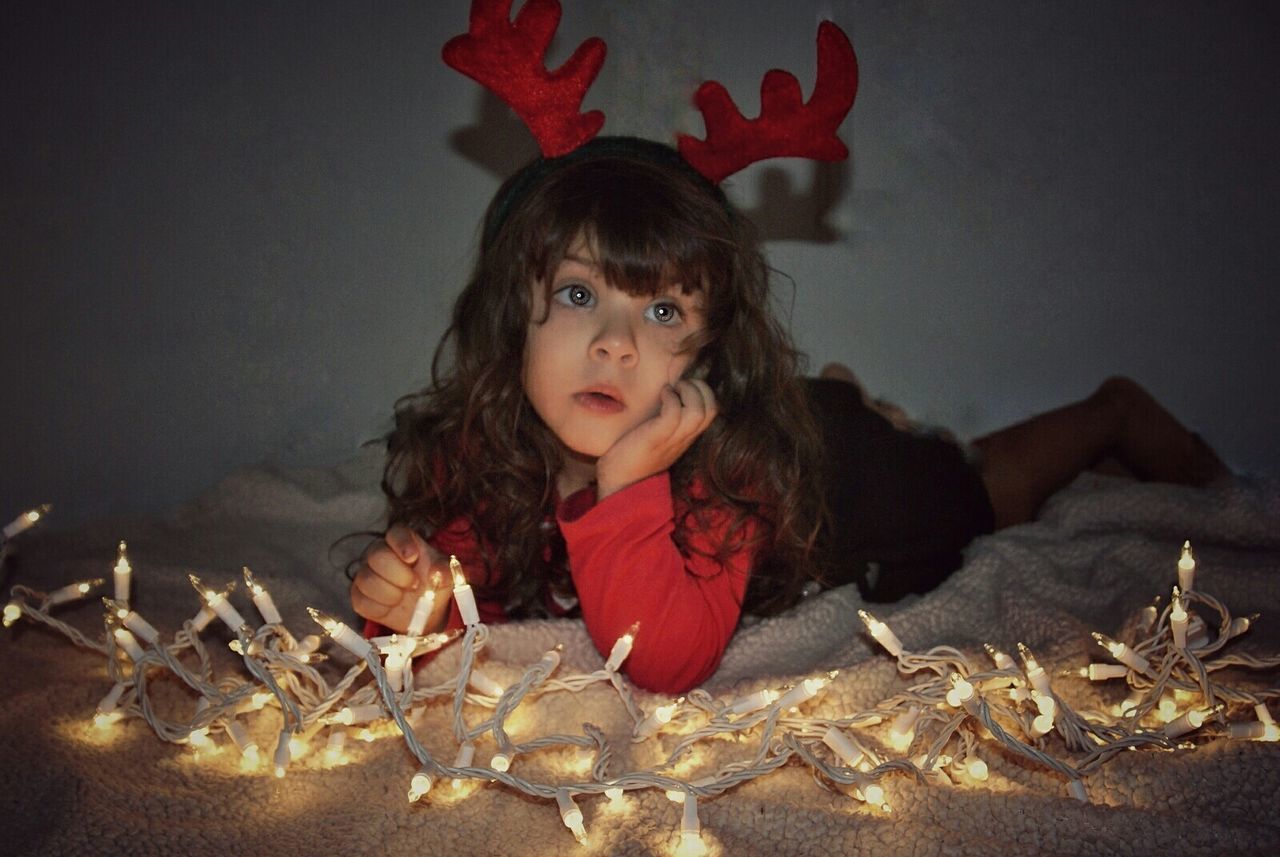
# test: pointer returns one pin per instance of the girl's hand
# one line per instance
(391, 576)
(687, 409)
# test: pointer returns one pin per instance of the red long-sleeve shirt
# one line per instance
(626, 569)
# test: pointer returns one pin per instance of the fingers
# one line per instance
(385, 563)
(697, 408)
(387, 577)
(366, 607)
(405, 542)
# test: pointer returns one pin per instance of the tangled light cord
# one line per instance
(937, 728)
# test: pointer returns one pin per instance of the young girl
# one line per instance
(616, 428)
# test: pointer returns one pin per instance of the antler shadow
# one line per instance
(785, 213)
(498, 141)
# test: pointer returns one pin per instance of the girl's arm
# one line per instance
(626, 569)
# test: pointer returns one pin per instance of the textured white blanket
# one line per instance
(1101, 551)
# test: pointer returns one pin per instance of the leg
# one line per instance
(1025, 463)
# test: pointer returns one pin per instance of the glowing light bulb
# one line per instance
(250, 759)
(1240, 624)
(961, 692)
(462, 594)
(262, 599)
(280, 761)
(131, 620)
(218, 603)
(1178, 620)
(199, 738)
(420, 785)
(1102, 672)
(335, 748)
(106, 712)
(902, 730)
(353, 715)
(1186, 567)
(341, 634)
(129, 643)
(881, 633)
(12, 613)
(571, 816)
(691, 844)
(614, 794)
(976, 768)
(843, 745)
(1130, 704)
(871, 793)
(751, 702)
(1167, 709)
(421, 612)
(1122, 653)
(1002, 661)
(466, 754)
(1042, 724)
(484, 684)
(26, 520)
(622, 648)
(1190, 721)
(122, 574)
(71, 592)
(660, 717)
(394, 666)
(1036, 674)
(801, 693)
(501, 762)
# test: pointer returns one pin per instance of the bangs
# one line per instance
(646, 228)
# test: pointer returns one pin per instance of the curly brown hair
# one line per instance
(469, 446)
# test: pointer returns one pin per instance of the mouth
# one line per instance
(604, 400)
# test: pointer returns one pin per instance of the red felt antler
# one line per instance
(510, 59)
(787, 127)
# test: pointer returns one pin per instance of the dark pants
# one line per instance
(902, 505)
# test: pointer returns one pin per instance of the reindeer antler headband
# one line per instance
(509, 58)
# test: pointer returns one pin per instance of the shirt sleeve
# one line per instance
(627, 568)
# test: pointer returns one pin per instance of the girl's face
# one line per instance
(596, 358)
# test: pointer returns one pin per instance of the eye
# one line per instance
(663, 313)
(575, 295)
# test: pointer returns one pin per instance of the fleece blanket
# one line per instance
(1100, 552)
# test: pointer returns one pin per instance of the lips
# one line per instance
(600, 399)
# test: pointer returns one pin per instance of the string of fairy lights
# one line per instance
(954, 715)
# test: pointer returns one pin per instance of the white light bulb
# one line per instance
(72, 591)
(462, 594)
(881, 633)
(1186, 567)
(262, 599)
(571, 815)
(122, 574)
(421, 612)
(420, 785)
(621, 648)
(341, 634)
(484, 684)
(466, 755)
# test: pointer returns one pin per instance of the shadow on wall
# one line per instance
(499, 142)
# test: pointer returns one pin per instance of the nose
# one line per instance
(615, 340)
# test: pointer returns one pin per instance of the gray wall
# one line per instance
(230, 232)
